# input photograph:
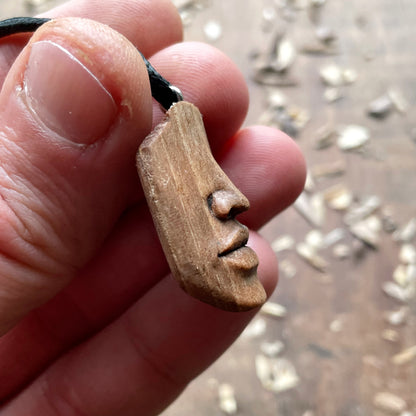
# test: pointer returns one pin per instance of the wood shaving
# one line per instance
(312, 208)
(390, 335)
(389, 402)
(272, 349)
(276, 374)
(329, 169)
(324, 137)
(315, 239)
(406, 233)
(285, 242)
(381, 107)
(334, 236)
(274, 309)
(341, 251)
(352, 137)
(404, 357)
(367, 231)
(360, 211)
(255, 329)
(287, 269)
(309, 255)
(407, 254)
(397, 292)
(309, 183)
(338, 197)
(227, 401)
(398, 316)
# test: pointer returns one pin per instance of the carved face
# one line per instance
(194, 204)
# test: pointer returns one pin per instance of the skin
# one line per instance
(91, 327)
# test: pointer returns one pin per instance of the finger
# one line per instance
(133, 252)
(149, 24)
(270, 169)
(142, 362)
(211, 81)
(69, 133)
(136, 20)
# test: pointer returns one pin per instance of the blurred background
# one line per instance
(339, 334)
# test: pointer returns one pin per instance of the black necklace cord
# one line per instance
(163, 91)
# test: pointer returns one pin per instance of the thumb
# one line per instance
(73, 108)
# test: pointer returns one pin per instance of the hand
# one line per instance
(93, 324)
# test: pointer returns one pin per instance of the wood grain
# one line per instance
(193, 205)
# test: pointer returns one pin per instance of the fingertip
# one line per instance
(211, 81)
(268, 167)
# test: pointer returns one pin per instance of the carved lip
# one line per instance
(237, 240)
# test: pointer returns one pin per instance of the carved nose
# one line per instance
(227, 204)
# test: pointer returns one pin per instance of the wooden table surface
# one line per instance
(332, 331)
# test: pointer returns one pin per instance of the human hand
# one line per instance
(93, 322)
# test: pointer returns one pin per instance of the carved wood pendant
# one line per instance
(193, 204)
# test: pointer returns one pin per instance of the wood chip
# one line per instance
(389, 402)
(341, 251)
(407, 254)
(212, 30)
(309, 255)
(362, 210)
(366, 231)
(397, 292)
(380, 107)
(404, 357)
(390, 335)
(287, 269)
(336, 325)
(309, 183)
(398, 316)
(272, 349)
(312, 208)
(352, 137)
(286, 55)
(406, 233)
(338, 197)
(349, 75)
(332, 94)
(334, 236)
(329, 169)
(227, 401)
(254, 329)
(285, 242)
(315, 240)
(331, 75)
(404, 274)
(325, 34)
(398, 100)
(276, 374)
(274, 309)
(324, 137)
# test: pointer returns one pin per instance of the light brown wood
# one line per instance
(193, 205)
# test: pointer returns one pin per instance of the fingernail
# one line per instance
(66, 96)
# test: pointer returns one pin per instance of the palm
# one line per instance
(121, 336)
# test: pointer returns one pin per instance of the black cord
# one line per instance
(162, 90)
(20, 25)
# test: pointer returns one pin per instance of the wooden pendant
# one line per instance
(193, 204)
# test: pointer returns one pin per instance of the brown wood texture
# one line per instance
(193, 205)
